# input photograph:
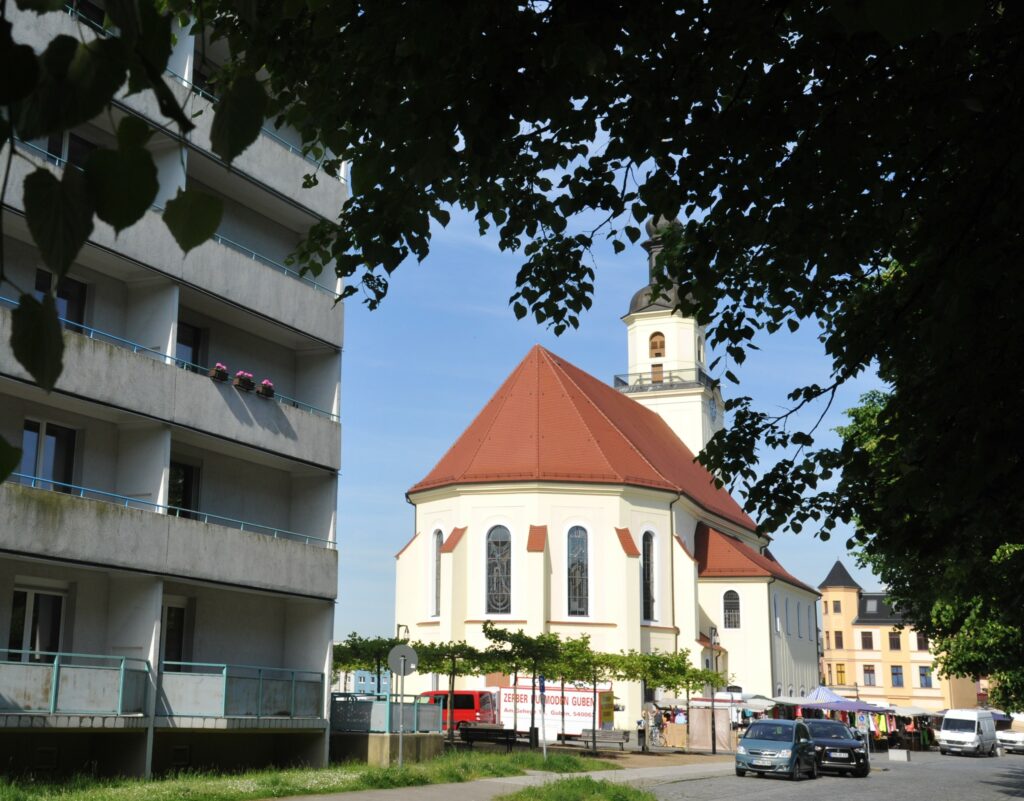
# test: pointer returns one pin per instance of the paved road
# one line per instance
(928, 777)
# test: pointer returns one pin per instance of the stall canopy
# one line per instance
(824, 698)
(912, 711)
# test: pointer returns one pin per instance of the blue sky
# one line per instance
(418, 369)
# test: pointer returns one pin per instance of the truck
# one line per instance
(514, 709)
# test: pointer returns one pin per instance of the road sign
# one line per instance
(402, 660)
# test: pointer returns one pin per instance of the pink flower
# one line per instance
(243, 374)
(221, 367)
(267, 383)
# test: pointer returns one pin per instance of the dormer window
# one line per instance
(657, 343)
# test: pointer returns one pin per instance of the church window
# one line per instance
(778, 620)
(438, 542)
(731, 607)
(647, 575)
(787, 618)
(799, 621)
(577, 572)
(657, 342)
(700, 350)
(499, 571)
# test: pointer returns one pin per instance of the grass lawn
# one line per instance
(452, 767)
(579, 788)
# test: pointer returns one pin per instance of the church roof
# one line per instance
(551, 421)
(839, 576)
(724, 556)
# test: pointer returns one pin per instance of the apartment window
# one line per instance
(499, 571)
(731, 609)
(177, 633)
(869, 675)
(48, 455)
(657, 343)
(647, 574)
(438, 542)
(897, 675)
(867, 640)
(840, 673)
(37, 620)
(183, 490)
(824, 607)
(839, 639)
(925, 674)
(837, 607)
(922, 642)
(828, 641)
(894, 641)
(829, 669)
(67, 147)
(577, 580)
(69, 298)
(188, 347)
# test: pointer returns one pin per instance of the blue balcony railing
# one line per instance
(135, 347)
(128, 502)
(209, 689)
(58, 682)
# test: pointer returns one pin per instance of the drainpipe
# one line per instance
(672, 565)
(771, 632)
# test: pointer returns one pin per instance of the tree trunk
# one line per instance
(593, 716)
(563, 709)
(515, 700)
(533, 703)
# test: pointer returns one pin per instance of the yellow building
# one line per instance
(870, 654)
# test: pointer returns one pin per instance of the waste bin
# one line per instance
(641, 735)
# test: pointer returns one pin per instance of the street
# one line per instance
(929, 777)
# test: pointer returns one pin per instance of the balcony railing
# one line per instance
(206, 689)
(127, 502)
(659, 382)
(52, 682)
(135, 347)
(383, 712)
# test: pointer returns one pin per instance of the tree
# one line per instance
(652, 670)
(579, 664)
(454, 659)
(852, 166)
(363, 653)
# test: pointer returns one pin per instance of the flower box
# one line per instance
(218, 373)
(244, 384)
(265, 391)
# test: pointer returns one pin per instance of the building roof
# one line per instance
(724, 556)
(874, 610)
(551, 421)
(537, 541)
(626, 541)
(839, 576)
(453, 540)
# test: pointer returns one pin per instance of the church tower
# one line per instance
(667, 360)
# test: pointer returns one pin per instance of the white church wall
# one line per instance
(795, 649)
(749, 646)
(681, 336)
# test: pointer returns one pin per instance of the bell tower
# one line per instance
(667, 360)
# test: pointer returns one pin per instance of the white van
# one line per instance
(968, 731)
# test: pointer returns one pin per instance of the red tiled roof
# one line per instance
(626, 541)
(725, 556)
(453, 540)
(538, 539)
(550, 421)
(705, 641)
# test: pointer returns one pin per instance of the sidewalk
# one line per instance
(486, 789)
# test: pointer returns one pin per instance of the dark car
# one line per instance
(779, 747)
(839, 749)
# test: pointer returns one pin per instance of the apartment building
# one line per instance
(168, 569)
(870, 654)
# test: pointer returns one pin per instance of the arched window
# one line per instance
(576, 579)
(787, 618)
(647, 575)
(657, 343)
(731, 607)
(799, 621)
(778, 690)
(499, 571)
(438, 542)
(778, 621)
(810, 622)
(803, 692)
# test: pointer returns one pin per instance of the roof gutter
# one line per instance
(672, 566)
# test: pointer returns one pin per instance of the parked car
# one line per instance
(968, 731)
(473, 706)
(1012, 742)
(838, 748)
(779, 747)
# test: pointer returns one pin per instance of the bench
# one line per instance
(487, 733)
(621, 737)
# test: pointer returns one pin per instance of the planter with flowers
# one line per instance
(219, 372)
(265, 389)
(243, 381)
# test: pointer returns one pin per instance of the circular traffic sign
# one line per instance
(402, 660)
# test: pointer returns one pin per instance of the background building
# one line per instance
(572, 507)
(167, 546)
(362, 681)
(869, 654)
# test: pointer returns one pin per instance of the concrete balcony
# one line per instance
(270, 160)
(72, 684)
(191, 689)
(92, 527)
(146, 382)
(660, 381)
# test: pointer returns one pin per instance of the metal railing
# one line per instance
(383, 712)
(135, 347)
(659, 381)
(28, 695)
(128, 502)
(212, 689)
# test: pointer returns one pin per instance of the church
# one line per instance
(574, 507)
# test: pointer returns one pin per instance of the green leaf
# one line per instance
(617, 246)
(40, 6)
(154, 43)
(123, 184)
(165, 98)
(10, 458)
(132, 132)
(36, 339)
(59, 215)
(238, 117)
(19, 68)
(193, 217)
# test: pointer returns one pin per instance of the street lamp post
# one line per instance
(713, 632)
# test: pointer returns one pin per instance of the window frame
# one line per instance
(839, 640)
(897, 671)
(569, 564)
(867, 637)
(869, 670)
(50, 482)
(437, 542)
(492, 530)
(653, 351)
(648, 576)
(735, 616)
(895, 641)
(31, 590)
(924, 677)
